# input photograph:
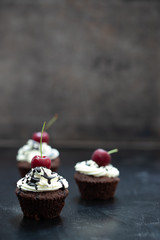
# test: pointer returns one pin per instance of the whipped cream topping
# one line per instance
(42, 179)
(90, 167)
(32, 148)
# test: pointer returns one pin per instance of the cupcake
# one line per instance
(97, 178)
(41, 193)
(32, 148)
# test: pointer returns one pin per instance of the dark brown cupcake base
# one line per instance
(25, 167)
(42, 205)
(92, 187)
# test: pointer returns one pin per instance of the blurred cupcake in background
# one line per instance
(32, 148)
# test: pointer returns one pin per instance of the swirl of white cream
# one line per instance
(42, 179)
(32, 148)
(90, 167)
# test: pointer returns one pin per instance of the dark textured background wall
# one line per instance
(95, 63)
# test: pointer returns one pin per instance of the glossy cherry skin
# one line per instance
(101, 157)
(38, 161)
(37, 137)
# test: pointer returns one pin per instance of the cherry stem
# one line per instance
(113, 151)
(49, 124)
(41, 137)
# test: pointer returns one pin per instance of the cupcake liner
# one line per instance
(39, 205)
(92, 187)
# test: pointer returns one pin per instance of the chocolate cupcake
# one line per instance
(96, 181)
(41, 193)
(32, 148)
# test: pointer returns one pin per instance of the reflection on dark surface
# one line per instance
(98, 217)
(109, 202)
(27, 224)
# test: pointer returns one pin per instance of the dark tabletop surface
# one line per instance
(134, 213)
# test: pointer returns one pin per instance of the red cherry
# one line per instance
(101, 157)
(37, 137)
(38, 161)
